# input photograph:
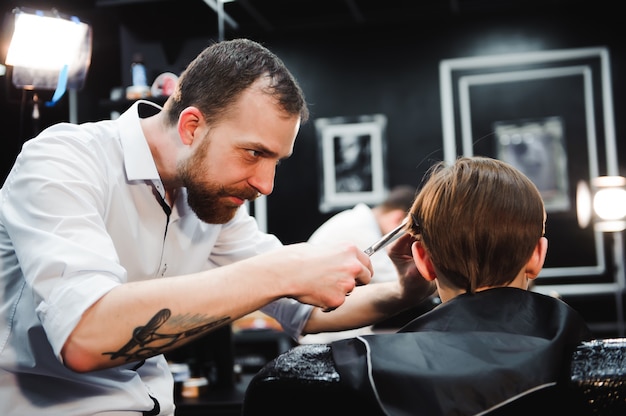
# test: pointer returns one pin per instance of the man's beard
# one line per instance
(206, 198)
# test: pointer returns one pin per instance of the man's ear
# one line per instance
(422, 261)
(535, 263)
(188, 122)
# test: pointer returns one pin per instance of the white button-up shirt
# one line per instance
(80, 214)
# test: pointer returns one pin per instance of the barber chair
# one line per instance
(304, 381)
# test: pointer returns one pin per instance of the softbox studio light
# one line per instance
(49, 51)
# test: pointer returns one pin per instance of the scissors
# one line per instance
(387, 239)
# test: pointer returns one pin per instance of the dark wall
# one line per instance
(395, 71)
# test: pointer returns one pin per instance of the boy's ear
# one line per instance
(535, 263)
(422, 261)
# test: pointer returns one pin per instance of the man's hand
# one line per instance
(413, 284)
(322, 275)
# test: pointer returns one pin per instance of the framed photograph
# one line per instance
(351, 158)
(537, 148)
(549, 113)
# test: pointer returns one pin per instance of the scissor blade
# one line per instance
(387, 239)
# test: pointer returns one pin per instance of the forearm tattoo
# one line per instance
(147, 341)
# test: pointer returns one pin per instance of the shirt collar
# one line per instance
(138, 160)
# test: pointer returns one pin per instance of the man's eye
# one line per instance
(254, 153)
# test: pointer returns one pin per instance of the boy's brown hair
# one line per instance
(479, 219)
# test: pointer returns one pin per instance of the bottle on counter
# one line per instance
(138, 70)
(139, 88)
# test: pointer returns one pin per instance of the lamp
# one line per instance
(604, 203)
(49, 51)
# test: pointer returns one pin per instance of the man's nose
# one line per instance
(263, 178)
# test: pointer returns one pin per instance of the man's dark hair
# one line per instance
(213, 81)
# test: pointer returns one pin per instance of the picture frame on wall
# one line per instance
(352, 161)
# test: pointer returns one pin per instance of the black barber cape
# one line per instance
(467, 356)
